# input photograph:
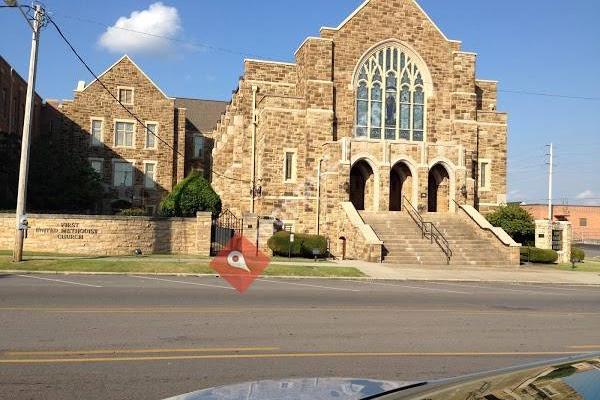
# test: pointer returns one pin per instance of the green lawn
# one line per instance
(587, 266)
(167, 265)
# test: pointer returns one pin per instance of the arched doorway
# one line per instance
(401, 185)
(439, 189)
(362, 186)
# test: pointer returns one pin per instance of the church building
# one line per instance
(380, 114)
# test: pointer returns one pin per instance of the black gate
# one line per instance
(224, 227)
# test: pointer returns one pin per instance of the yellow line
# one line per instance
(139, 351)
(277, 355)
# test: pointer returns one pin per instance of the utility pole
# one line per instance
(550, 171)
(27, 123)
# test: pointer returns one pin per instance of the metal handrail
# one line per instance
(415, 215)
(429, 230)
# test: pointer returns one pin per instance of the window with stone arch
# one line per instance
(390, 96)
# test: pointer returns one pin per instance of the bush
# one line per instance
(132, 212)
(191, 195)
(516, 221)
(577, 254)
(303, 245)
(538, 256)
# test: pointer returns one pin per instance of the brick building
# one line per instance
(138, 165)
(584, 219)
(380, 109)
(13, 92)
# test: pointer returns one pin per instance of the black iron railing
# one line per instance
(429, 230)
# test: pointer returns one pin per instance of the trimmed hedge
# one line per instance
(577, 254)
(538, 256)
(302, 246)
(133, 212)
(189, 196)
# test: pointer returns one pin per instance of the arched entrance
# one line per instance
(439, 189)
(362, 186)
(401, 185)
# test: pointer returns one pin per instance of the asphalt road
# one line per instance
(130, 337)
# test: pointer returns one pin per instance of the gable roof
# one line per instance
(127, 58)
(202, 115)
(364, 4)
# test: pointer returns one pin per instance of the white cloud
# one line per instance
(586, 194)
(157, 20)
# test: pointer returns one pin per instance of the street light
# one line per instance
(21, 223)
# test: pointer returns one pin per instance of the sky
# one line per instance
(541, 46)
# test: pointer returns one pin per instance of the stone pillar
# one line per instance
(203, 233)
(557, 236)
(384, 188)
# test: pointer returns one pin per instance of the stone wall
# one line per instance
(110, 236)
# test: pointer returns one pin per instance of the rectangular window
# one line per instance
(583, 222)
(124, 134)
(198, 147)
(484, 175)
(126, 96)
(96, 165)
(149, 175)
(289, 172)
(151, 132)
(122, 174)
(96, 133)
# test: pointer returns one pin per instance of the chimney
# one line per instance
(80, 86)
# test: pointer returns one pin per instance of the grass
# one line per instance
(139, 265)
(587, 266)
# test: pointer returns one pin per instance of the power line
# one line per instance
(172, 39)
(533, 93)
(119, 101)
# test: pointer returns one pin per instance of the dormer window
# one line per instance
(390, 96)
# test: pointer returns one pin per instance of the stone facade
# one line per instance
(309, 110)
(111, 236)
(150, 105)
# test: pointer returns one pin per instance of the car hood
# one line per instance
(297, 389)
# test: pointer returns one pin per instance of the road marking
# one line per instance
(139, 351)
(59, 280)
(182, 282)
(308, 285)
(284, 355)
(495, 288)
(340, 308)
(413, 287)
(157, 310)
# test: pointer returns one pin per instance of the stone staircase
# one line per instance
(404, 242)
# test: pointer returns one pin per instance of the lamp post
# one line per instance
(21, 223)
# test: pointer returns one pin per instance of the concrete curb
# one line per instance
(366, 278)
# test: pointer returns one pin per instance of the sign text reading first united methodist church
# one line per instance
(67, 231)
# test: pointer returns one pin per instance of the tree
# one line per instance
(189, 196)
(60, 180)
(516, 221)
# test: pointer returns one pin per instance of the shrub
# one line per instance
(302, 246)
(132, 212)
(516, 221)
(189, 196)
(577, 254)
(538, 256)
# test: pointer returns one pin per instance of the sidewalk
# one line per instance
(516, 274)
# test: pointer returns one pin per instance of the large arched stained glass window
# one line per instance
(390, 97)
